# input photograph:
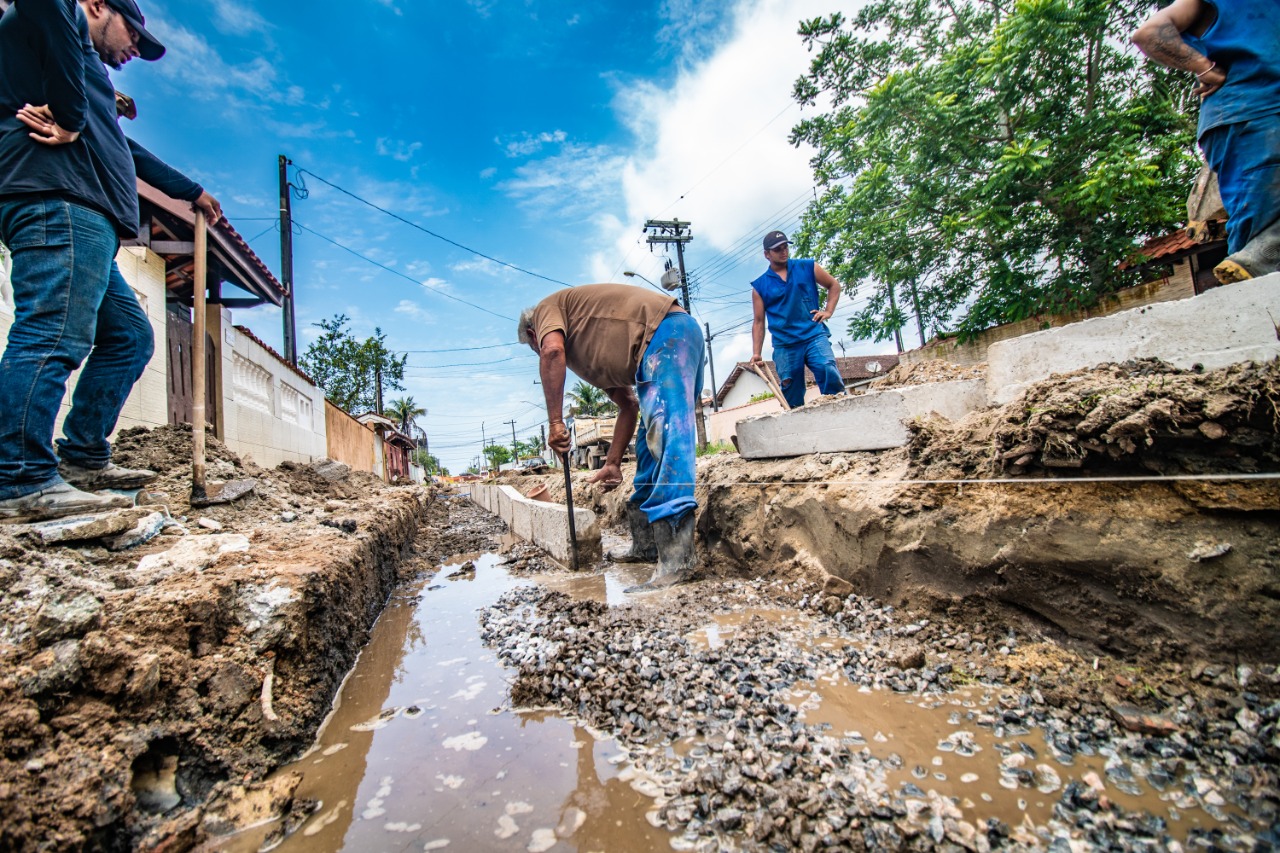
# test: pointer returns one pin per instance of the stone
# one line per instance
(1137, 720)
(193, 553)
(229, 689)
(147, 528)
(1205, 550)
(55, 669)
(70, 618)
(81, 527)
(838, 587)
(209, 523)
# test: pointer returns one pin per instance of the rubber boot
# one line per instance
(641, 549)
(675, 554)
(1260, 256)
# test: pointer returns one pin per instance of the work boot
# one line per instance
(675, 555)
(641, 549)
(110, 477)
(1260, 256)
(57, 501)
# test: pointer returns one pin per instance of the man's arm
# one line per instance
(173, 183)
(1160, 38)
(610, 474)
(828, 281)
(551, 368)
(64, 58)
(757, 327)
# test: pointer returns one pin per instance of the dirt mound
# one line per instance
(326, 479)
(167, 450)
(924, 372)
(1142, 415)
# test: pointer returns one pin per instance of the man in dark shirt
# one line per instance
(68, 194)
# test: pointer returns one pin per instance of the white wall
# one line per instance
(271, 414)
(148, 403)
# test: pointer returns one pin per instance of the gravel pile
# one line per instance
(717, 736)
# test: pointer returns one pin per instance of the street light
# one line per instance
(631, 274)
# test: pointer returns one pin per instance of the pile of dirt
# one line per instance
(1143, 415)
(924, 372)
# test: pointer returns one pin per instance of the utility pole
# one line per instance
(515, 452)
(715, 397)
(483, 443)
(286, 265)
(377, 372)
(667, 231)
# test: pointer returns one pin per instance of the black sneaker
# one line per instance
(58, 501)
(110, 477)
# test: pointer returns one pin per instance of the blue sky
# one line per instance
(540, 134)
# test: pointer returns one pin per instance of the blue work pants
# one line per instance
(71, 306)
(818, 356)
(1246, 156)
(669, 383)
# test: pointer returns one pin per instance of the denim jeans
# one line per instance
(668, 384)
(791, 361)
(1246, 156)
(71, 304)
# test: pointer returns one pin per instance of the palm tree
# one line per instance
(589, 401)
(404, 411)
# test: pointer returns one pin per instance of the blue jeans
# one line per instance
(668, 384)
(1246, 156)
(791, 361)
(71, 303)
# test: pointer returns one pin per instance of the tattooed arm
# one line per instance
(1160, 37)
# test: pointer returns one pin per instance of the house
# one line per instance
(1180, 262)
(391, 447)
(743, 384)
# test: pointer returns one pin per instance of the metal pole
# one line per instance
(515, 448)
(715, 396)
(568, 499)
(684, 282)
(286, 265)
(201, 275)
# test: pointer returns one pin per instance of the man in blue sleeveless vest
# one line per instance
(68, 195)
(1231, 46)
(787, 294)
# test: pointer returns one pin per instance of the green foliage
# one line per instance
(497, 454)
(428, 462)
(713, 449)
(404, 411)
(988, 160)
(347, 369)
(588, 401)
(763, 395)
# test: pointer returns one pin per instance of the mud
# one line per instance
(132, 699)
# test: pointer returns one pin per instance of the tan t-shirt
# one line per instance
(606, 328)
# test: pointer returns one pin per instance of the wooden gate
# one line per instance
(180, 329)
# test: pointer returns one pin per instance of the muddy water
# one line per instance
(937, 744)
(421, 751)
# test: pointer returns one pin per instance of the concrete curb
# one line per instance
(1220, 327)
(544, 524)
(875, 421)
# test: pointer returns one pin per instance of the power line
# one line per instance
(402, 275)
(428, 231)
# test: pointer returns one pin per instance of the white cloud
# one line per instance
(236, 18)
(575, 182)
(486, 174)
(390, 4)
(483, 266)
(528, 143)
(397, 149)
(415, 311)
(573, 21)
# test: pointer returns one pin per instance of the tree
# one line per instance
(497, 454)
(986, 161)
(588, 401)
(428, 463)
(404, 411)
(348, 369)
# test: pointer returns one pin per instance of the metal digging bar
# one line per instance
(568, 499)
(202, 493)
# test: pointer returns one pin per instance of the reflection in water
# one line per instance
(420, 750)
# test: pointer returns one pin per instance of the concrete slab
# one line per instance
(80, 527)
(875, 421)
(1220, 327)
(544, 524)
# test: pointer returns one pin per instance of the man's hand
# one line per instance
(1211, 82)
(558, 438)
(609, 477)
(212, 209)
(757, 360)
(820, 316)
(45, 128)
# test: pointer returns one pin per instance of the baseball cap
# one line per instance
(149, 47)
(774, 239)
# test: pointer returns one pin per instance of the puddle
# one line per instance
(939, 744)
(420, 751)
